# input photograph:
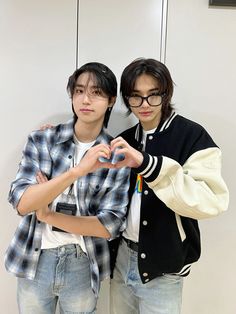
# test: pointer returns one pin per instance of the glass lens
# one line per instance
(135, 101)
(154, 100)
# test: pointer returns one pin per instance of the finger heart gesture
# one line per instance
(131, 157)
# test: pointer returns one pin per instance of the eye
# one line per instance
(78, 91)
(96, 92)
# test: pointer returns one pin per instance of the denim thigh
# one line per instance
(63, 277)
(162, 295)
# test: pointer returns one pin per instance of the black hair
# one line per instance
(105, 80)
(158, 71)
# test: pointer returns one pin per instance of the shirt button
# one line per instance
(36, 249)
(69, 156)
(146, 280)
(143, 255)
(146, 192)
(145, 222)
(150, 137)
(145, 274)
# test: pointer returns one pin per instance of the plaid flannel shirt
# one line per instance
(102, 193)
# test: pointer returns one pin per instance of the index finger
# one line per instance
(119, 141)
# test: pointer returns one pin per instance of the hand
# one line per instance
(45, 127)
(90, 162)
(43, 212)
(133, 158)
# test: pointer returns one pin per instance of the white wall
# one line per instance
(201, 51)
(115, 33)
(37, 54)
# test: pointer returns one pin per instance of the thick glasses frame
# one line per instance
(147, 98)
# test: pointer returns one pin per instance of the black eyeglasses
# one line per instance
(153, 100)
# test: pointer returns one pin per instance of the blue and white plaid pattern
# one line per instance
(103, 193)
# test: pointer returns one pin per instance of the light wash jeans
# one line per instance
(63, 277)
(162, 295)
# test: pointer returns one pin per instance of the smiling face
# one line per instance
(149, 116)
(89, 101)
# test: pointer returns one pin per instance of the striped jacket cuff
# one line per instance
(150, 167)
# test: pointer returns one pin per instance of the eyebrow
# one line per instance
(81, 85)
(149, 91)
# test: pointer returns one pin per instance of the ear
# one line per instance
(112, 101)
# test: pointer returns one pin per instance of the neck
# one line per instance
(150, 126)
(86, 133)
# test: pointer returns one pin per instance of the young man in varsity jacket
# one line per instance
(176, 180)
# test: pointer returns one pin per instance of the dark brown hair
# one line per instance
(105, 80)
(150, 67)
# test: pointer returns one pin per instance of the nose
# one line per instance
(85, 98)
(145, 103)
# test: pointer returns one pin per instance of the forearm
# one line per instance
(39, 195)
(82, 225)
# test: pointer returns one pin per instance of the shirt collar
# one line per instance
(66, 133)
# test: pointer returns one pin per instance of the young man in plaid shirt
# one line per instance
(59, 252)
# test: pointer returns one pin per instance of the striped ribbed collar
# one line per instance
(161, 128)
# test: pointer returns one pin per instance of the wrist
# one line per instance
(75, 172)
(142, 162)
(139, 159)
(42, 215)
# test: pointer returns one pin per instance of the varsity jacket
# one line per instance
(182, 183)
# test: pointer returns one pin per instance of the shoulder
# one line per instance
(129, 134)
(188, 124)
(192, 131)
(54, 135)
(128, 131)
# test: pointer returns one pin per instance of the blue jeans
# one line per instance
(162, 295)
(63, 277)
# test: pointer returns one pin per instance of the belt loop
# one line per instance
(77, 250)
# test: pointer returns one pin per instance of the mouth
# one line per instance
(145, 113)
(85, 110)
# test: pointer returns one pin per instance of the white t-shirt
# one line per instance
(52, 239)
(133, 220)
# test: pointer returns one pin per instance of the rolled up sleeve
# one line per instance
(113, 206)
